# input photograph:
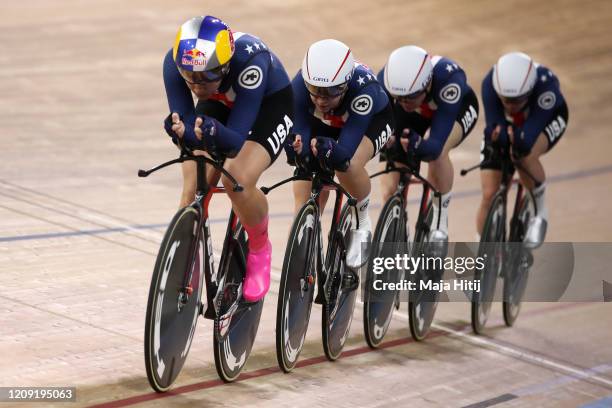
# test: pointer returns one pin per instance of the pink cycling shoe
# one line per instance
(257, 279)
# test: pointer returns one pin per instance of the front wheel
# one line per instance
(423, 300)
(296, 288)
(340, 301)
(388, 241)
(172, 312)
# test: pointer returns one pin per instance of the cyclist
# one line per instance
(342, 118)
(523, 104)
(435, 109)
(243, 111)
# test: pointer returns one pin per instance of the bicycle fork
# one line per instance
(186, 288)
(210, 276)
(321, 271)
(308, 279)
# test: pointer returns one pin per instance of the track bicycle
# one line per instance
(184, 266)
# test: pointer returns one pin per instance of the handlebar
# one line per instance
(476, 166)
(187, 155)
(405, 170)
(318, 182)
(266, 190)
(496, 155)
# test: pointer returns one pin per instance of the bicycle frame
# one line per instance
(204, 193)
(506, 182)
(320, 183)
(406, 179)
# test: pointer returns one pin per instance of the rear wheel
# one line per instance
(519, 262)
(297, 288)
(423, 300)
(172, 313)
(340, 301)
(491, 249)
(388, 241)
(237, 322)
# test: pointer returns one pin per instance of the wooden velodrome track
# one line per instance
(82, 103)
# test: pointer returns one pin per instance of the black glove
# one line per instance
(331, 155)
(209, 134)
(168, 128)
(517, 155)
(408, 157)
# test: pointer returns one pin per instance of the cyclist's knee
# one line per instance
(532, 159)
(534, 155)
(443, 161)
(537, 149)
(245, 182)
(356, 168)
(246, 179)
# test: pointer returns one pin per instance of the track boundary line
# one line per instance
(442, 332)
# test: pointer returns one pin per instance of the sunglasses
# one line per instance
(326, 92)
(205, 77)
(409, 98)
(519, 100)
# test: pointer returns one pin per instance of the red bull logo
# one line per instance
(194, 58)
(231, 40)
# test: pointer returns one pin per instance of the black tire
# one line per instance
(491, 248)
(338, 310)
(234, 337)
(169, 328)
(422, 304)
(378, 305)
(297, 288)
(518, 264)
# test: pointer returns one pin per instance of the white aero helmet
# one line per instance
(327, 68)
(514, 75)
(408, 71)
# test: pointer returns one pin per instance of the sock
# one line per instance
(258, 234)
(538, 194)
(363, 214)
(442, 223)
